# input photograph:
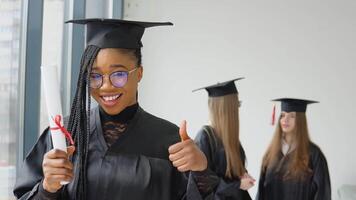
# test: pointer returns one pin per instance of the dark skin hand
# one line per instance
(56, 168)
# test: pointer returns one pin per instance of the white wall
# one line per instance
(304, 48)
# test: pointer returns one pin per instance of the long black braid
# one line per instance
(79, 120)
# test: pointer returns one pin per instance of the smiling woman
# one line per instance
(121, 151)
(114, 79)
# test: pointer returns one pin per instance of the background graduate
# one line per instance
(293, 167)
(224, 175)
(121, 151)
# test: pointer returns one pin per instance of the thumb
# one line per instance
(70, 150)
(183, 131)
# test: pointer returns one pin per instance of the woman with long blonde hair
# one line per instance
(293, 167)
(224, 176)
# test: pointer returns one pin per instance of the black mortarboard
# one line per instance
(221, 89)
(115, 33)
(294, 105)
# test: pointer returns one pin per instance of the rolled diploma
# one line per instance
(54, 106)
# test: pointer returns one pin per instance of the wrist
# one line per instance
(202, 168)
(47, 187)
(204, 164)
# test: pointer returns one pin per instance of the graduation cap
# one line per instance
(294, 105)
(115, 33)
(221, 89)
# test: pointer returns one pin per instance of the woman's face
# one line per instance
(113, 99)
(287, 121)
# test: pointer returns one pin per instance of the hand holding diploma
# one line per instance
(186, 155)
(57, 168)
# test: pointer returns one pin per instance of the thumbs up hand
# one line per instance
(186, 155)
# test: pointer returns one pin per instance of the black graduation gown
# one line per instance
(223, 188)
(136, 166)
(315, 187)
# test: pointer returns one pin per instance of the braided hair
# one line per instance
(79, 119)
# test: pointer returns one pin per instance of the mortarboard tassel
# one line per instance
(273, 115)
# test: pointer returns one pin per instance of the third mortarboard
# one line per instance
(221, 89)
(115, 33)
(294, 105)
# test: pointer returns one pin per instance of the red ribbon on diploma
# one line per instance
(57, 120)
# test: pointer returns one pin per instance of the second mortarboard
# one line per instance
(115, 33)
(221, 89)
(294, 105)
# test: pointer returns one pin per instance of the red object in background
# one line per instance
(273, 120)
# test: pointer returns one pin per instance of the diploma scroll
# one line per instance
(54, 108)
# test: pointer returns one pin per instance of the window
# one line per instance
(9, 63)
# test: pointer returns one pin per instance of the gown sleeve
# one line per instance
(29, 179)
(321, 176)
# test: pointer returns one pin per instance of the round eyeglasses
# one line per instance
(117, 79)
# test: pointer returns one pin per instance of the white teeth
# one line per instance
(110, 98)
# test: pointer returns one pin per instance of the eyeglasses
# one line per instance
(117, 79)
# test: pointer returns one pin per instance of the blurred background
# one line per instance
(302, 49)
